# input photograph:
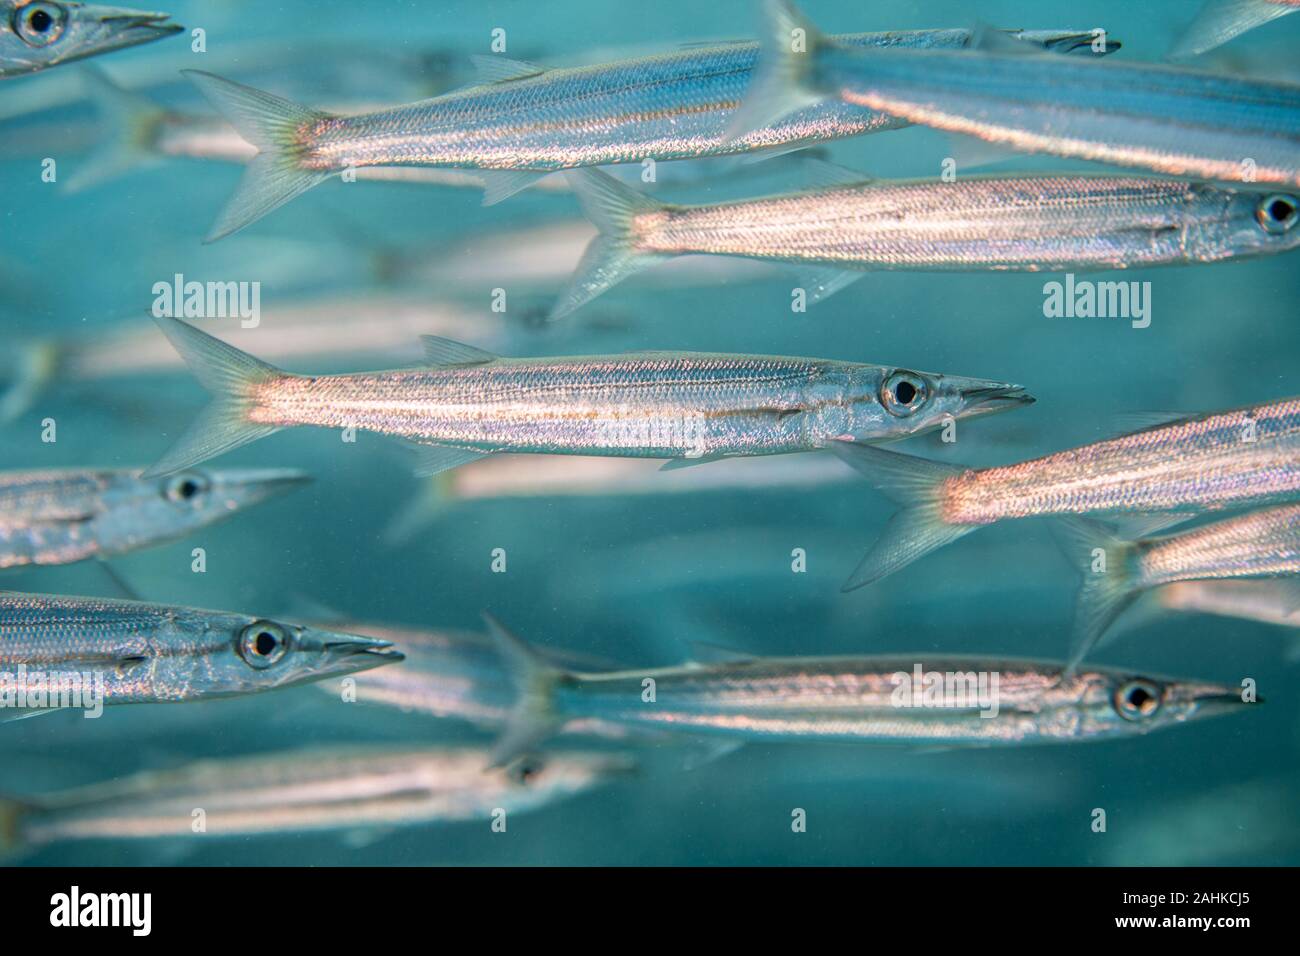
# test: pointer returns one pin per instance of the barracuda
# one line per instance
(1232, 459)
(159, 653)
(526, 121)
(1171, 120)
(38, 34)
(57, 517)
(1018, 223)
(467, 403)
(869, 699)
(344, 789)
(1259, 544)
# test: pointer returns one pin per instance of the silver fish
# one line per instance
(1171, 120)
(971, 701)
(57, 517)
(1239, 458)
(134, 652)
(135, 132)
(467, 403)
(1026, 223)
(1221, 20)
(342, 789)
(38, 34)
(1259, 544)
(524, 121)
(1268, 601)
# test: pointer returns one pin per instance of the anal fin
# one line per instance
(433, 458)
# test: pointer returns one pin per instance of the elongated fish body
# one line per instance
(1027, 223)
(664, 405)
(1247, 456)
(1263, 543)
(308, 790)
(671, 106)
(469, 403)
(57, 517)
(1268, 601)
(859, 699)
(153, 653)
(1171, 120)
(37, 36)
(901, 699)
(531, 121)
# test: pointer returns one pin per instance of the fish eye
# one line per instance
(1137, 699)
(1276, 213)
(185, 486)
(525, 771)
(263, 643)
(40, 24)
(904, 392)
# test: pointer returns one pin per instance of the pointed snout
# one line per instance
(246, 486)
(1072, 41)
(115, 28)
(990, 398)
(123, 18)
(351, 652)
(1210, 700)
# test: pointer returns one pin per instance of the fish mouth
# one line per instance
(1075, 41)
(991, 399)
(116, 28)
(361, 653)
(258, 484)
(1211, 700)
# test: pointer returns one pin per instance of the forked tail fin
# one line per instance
(229, 375)
(1109, 582)
(781, 81)
(612, 256)
(276, 127)
(533, 717)
(129, 124)
(918, 528)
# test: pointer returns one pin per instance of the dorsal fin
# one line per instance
(1128, 422)
(491, 68)
(445, 352)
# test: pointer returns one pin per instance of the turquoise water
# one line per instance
(638, 579)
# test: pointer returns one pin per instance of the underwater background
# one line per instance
(636, 578)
